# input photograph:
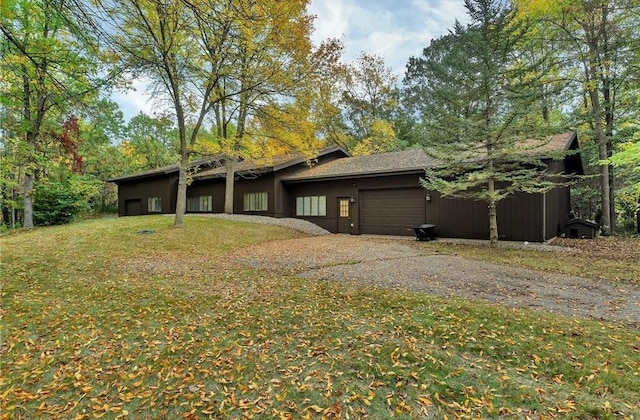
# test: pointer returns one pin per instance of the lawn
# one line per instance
(100, 320)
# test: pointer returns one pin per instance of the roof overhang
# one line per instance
(369, 174)
(144, 175)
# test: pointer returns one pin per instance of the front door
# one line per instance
(344, 216)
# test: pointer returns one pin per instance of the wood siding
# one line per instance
(389, 205)
(378, 204)
(163, 186)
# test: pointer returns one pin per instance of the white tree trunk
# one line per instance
(493, 218)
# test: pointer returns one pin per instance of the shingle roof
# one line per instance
(274, 163)
(403, 161)
(555, 143)
(411, 160)
(163, 170)
(249, 166)
(246, 166)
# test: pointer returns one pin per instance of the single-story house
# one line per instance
(375, 194)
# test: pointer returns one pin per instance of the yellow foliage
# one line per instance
(381, 140)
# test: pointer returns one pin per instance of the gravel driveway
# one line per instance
(397, 264)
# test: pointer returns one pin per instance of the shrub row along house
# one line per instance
(375, 194)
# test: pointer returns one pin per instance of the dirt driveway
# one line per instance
(398, 264)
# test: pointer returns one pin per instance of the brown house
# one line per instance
(376, 194)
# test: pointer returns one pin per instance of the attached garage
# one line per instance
(391, 211)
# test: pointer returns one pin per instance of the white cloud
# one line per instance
(393, 29)
(135, 100)
(333, 18)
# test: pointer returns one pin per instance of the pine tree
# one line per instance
(475, 92)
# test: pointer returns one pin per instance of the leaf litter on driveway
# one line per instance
(394, 264)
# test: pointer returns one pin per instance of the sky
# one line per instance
(392, 29)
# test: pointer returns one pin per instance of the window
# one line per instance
(154, 204)
(256, 201)
(315, 205)
(344, 207)
(200, 204)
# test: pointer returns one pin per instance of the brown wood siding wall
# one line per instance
(269, 182)
(519, 217)
(165, 187)
(214, 189)
(332, 190)
(282, 195)
(558, 203)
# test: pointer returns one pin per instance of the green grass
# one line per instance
(102, 321)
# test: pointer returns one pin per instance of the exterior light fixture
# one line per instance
(428, 197)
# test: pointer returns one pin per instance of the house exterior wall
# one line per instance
(164, 186)
(334, 189)
(269, 182)
(214, 189)
(523, 217)
(520, 218)
(558, 202)
(281, 195)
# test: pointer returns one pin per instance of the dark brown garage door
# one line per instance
(132, 207)
(391, 211)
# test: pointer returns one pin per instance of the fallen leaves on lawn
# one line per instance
(95, 333)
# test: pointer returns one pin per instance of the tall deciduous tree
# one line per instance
(601, 37)
(154, 139)
(370, 100)
(48, 66)
(163, 41)
(272, 69)
(478, 88)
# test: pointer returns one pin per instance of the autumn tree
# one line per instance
(269, 75)
(627, 161)
(164, 41)
(477, 90)
(370, 102)
(330, 73)
(154, 140)
(48, 66)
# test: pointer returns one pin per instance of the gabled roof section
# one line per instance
(273, 164)
(553, 144)
(213, 168)
(415, 160)
(411, 160)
